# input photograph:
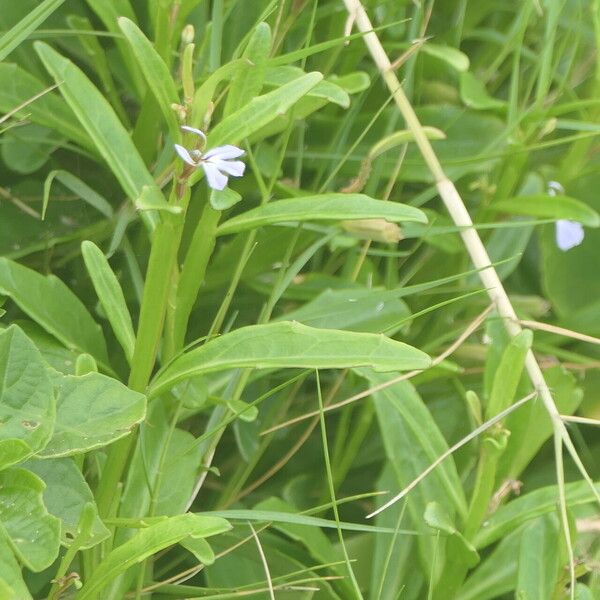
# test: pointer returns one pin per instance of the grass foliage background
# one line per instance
(266, 366)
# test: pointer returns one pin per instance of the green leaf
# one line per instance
(508, 374)
(460, 554)
(17, 87)
(66, 496)
(530, 427)
(147, 542)
(269, 515)
(99, 120)
(33, 534)
(290, 345)
(200, 548)
(110, 295)
(326, 207)
(369, 310)
(27, 403)
(474, 94)
(165, 453)
(549, 207)
(259, 112)
(497, 573)
(325, 90)
(403, 136)
(28, 148)
(530, 506)
(92, 411)
(155, 71)
(19, 32)
(206, 92)
(224, 199)
(12, 586)
(538, 569)
(413, 441)
(51, 304)
(455, 58)
(248, 81)
(152, 198)
(78, 187)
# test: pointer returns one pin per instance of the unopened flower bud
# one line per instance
(187, 34)
(378, 230)
(180, 111)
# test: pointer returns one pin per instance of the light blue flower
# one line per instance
(569, 234)
(217, 163)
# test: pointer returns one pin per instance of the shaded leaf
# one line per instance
(290, 345)
(51, 304)
(27, 403)
(33, 534)
(326, 207)
(92, 411)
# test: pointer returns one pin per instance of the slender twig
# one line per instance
(263, 558)
(476, 432)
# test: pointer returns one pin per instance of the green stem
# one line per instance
(192, 278)
(163, 257)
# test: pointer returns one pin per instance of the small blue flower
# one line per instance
(568, 233)
(217, 163)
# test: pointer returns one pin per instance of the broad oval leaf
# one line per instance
(550, 207)
(147, 542)
(12, 586)
(66, 496)
(51, 304)
(32, 532)
(291, 345)
(326, 207)
(92, 411)
(27, 404)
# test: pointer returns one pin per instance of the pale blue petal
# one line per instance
(224, 152)
(568, 234)
(231, 167)
(185, 155)
(194, 130)
(216, 180)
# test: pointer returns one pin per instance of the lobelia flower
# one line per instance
(568, 234)
(217, 163)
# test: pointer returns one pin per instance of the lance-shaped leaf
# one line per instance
(147, 542)
(155, 72)
(99, 120)
(51, 304)
(291, 345)
(326, 207)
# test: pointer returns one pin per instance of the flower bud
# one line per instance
(378, 230)
(180, 111)
(187, 34)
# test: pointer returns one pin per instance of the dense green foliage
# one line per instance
(206, 389)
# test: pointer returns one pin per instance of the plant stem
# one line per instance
(163, 257)
(192, 278)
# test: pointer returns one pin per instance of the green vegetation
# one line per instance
(251, 343)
